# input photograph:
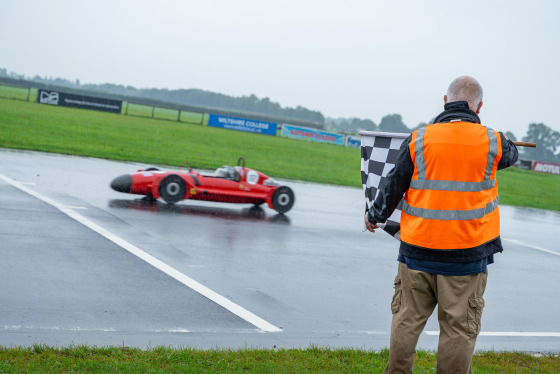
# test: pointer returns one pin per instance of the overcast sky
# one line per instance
(353, 58)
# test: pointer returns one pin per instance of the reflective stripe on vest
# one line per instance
(450, 215)
(422, 184)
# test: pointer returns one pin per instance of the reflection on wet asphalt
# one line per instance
(245, 213)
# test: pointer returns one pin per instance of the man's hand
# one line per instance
(369, 226)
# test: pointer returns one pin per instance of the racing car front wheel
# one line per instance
(283, 199)
(172, 189)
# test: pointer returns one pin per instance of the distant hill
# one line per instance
(189, 97)
(206, 99)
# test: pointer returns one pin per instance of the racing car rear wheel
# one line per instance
(172, 189)
(283, 199)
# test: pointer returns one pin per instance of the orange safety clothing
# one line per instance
(452, 201)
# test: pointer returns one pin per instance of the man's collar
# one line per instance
(457, 110)
(456, 105)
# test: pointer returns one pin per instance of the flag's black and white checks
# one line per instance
(379, 155)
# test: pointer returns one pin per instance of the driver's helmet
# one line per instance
(227, 172)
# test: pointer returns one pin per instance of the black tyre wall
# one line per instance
(172, 189)
(283, 199)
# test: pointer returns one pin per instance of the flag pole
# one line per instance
(525, 144)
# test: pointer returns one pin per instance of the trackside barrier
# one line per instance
(538, 166)
(17, 93)
(352, 141)
(242, 124)
(524, 164)
(79, 101)
(546, 167)
(179, 115)
(303, 133)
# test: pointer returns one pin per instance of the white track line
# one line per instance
(531, 246)
(76, 207)
(160, 265)
(525, 334)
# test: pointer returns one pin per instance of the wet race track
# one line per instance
(83, 264)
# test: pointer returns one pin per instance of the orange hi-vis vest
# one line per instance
(452, 201)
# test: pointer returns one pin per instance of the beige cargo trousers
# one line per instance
(460, 304)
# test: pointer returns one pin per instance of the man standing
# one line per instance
(450, 228)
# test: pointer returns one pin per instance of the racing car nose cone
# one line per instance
(122, 183)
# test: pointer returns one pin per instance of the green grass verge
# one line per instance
(81, 132)
(529, 189)
(83, 359)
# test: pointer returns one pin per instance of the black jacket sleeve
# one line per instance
(509, 153)
(398, 181)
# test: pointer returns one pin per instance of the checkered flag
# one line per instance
(379, 155)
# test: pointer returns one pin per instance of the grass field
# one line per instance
(82, 359)
(529, 189)
(25, 125)
(32, 126)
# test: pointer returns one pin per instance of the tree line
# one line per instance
(548, 140)
(192, 97)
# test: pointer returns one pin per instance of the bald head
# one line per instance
(467, 89)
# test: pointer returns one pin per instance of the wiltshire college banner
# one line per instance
(240, 124)
(79, 101)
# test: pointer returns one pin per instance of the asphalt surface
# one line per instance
(83, 264)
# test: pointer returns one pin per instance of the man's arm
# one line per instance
(398, 181)
(509, 153)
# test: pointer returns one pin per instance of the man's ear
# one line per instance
(478, 109)
(444, 99)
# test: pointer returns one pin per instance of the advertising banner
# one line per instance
(524, 164)
(290, 131)
(79, 101)
(241, 124)
(353, 141)
(545, 167)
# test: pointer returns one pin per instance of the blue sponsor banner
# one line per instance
(311, 134)
(241, 124)
(353, 141)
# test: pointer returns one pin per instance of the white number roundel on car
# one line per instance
(252, 177)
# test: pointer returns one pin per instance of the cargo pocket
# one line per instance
(397, 297)
(474, 315)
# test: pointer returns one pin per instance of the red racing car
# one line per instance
(227, 184)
